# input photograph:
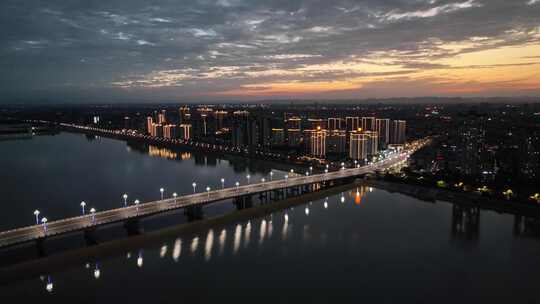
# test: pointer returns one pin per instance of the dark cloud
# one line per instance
(114, 50)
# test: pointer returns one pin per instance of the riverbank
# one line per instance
(434, 194)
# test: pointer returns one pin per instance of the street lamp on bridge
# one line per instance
(222, 183)
(194, 185)
(44, 222)
(136, 202)
(174, 196)
(83, 204)
(161, 190)
(271, 175)
(237, 185)
(208, 191)
(36, 214)
(93, 212)
(125, 196)
(248, 177)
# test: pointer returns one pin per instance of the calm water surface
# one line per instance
(363, 244)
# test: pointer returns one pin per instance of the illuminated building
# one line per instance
(314, 123)
(294, 123)
(184, 115)
(294, 137)
(162, 117)
(278, 137)
(358, 145)
(352, 123)
(372, 142)
(185, 131)
(149, 124)
(336, 141)
(382, 126)
(220, 119)
(335, 124)
(398, 132)
(169, 131)
(368, 123)
(317, 142)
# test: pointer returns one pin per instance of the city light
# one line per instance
(125, 197)
(83, 204)
(161, 191)
(194, 185)
(36, 215)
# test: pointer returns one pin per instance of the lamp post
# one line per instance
(125, 196)
(174, 196)
(292, 172)
(263, 180)
(44, 222)
(271, 175)
(194, 185)
(286, 178)
(222, 183)
(310, 169)
(161, 190)
(208, 191)
(36, 214)
(136, 202)
(83, 204)
(248, 177)
(237, 185)
(93, 212)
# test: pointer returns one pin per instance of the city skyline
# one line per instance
(232, 50)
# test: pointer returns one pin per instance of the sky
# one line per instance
(212, 50)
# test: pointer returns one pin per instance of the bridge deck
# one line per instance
(67, 225)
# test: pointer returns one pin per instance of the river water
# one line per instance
(358, 244)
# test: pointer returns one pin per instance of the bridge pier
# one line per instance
(194, 213)
(243, 202)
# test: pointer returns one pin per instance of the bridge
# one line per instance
(194, 202)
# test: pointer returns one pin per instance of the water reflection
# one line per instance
(312, 218)
(177, 249)
(222, 240)
(208, 245)
(465, 222)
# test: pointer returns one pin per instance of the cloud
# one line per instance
(202, 48)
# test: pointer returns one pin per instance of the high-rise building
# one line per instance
(336, 141)
(358, 145)
(149, 123)
(294, 137)
(220, 119)
(278, 137)
(368, 123)
(352, 123)
(294, 123)
(317, 142)
(184, 115)
(382, 126)
(372, 142)
(169, 131)
(185, 131)
(162, 119)
(315, 123)
(398, 136)
(335, 124)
